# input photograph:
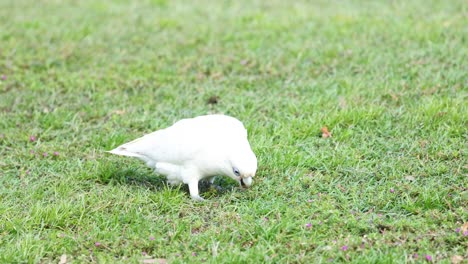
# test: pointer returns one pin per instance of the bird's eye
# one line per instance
(236, 171)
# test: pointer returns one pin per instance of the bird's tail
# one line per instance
(122, 151)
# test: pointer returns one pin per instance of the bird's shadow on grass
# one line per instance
(144, 177)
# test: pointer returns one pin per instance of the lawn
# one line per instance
(388, 78)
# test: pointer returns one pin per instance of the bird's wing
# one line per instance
(184, 140)
(162, 145)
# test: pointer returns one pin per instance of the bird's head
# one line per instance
(242, 167)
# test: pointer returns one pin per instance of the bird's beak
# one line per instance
(246, 182)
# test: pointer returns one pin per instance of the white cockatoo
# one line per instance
(197, 148)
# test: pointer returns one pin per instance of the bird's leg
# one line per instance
(193, 188)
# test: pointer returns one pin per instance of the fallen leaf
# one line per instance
(464, 227)
(410, 178)
(430, 91)
(341, 187)
(216, 75)
(200, 76)
(423, 143)
(457, 259)
(119, 112)
(394, 96)
(63, 259)
(325, 132)
(155, 261)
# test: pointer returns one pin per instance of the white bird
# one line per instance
(197, 148)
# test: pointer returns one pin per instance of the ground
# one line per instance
(387, 78)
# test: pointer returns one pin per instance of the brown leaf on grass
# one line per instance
(394, 96)
(119, 112)
(464, 227)
(339, 186)
(423, 143)
(456, 259)
(216, 75)
(63, 259)
(430, 91)
(325, 132)
(244, 62)
(155, 261)
(410, 178)
(200, 76)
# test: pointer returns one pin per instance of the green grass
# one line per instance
(388, 78)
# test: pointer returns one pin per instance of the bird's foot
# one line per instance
(198, 198)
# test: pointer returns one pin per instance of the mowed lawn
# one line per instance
(387, 78)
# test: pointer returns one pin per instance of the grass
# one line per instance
(388, 78)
